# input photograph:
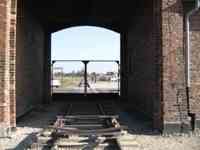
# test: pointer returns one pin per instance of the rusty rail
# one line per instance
(89, 127)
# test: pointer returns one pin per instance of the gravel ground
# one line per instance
(29, 126)
(158, 142)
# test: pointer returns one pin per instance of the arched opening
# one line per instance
(85, 60)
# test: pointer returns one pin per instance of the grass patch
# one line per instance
(70, 81)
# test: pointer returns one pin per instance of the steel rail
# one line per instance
(61, 128)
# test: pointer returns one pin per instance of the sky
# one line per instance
(86, 43)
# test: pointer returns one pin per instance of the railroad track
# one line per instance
(82, 128)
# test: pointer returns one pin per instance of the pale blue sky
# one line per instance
(86, 43)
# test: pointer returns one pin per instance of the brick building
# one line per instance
(160, 66)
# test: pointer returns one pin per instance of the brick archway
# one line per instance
(152, 51)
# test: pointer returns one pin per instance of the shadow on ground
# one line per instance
(25, 144)
(45, 115)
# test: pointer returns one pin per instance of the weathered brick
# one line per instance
(153, 58)
(195, 64)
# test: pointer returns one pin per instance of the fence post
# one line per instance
(85, 76)
(118, 76)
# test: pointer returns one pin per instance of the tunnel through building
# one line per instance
(158, 71)
(155, 64)
(138, 69)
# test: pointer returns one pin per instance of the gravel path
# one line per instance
(152, 142)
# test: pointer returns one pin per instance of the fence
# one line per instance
(85, 76)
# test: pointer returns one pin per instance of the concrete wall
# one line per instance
(30, 62)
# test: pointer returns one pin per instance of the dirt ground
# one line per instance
(158, 142)
(30, 125)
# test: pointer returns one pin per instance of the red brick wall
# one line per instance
(174, 94)
(29, 61)
(141, 57)
(155, 56)
(12, 60)
(195, 64)
(143, 64)
(156, 67)
(4, 93)
(7, 55)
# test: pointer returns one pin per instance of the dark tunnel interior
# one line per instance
(134, 20)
